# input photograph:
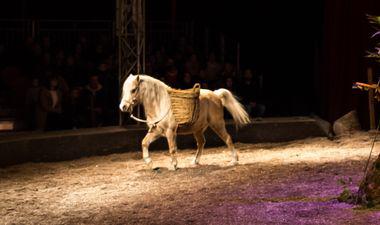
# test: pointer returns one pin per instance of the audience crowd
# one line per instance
(55, 88)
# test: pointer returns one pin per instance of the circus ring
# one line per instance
(289, 173)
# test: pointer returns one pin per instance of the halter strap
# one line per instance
(150, 124)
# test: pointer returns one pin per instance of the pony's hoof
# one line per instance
(195, 162)
(149, 163)
(173, 168)
(192, 165)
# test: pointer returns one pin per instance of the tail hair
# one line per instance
(234, 107)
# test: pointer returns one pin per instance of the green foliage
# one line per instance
(346, 196)
(375, 54)
(341, 181)
(374, 20)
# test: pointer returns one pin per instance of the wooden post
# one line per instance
(371, 104)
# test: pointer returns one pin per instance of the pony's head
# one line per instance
(130, 93)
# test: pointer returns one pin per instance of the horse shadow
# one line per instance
(190, 171)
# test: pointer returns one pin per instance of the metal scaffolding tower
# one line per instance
(130, 30)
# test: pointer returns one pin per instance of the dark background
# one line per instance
(310, 52)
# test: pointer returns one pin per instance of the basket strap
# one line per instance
(196, 86)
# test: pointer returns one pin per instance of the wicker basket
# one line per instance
(185, 105)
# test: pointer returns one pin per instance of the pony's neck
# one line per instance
(155, 98)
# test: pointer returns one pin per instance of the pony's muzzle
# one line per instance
(124, 107)
(127, 106)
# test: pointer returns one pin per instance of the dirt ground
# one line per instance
(283, 183)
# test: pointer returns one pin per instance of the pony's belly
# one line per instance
(184, 130)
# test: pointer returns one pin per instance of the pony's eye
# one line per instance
(133, 90)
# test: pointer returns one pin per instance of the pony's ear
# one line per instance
(138, 79)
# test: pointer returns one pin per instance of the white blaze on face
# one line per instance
(126, 97)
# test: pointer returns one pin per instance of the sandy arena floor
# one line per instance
(287, 183)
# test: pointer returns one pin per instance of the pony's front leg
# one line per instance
(171, 136)
(148, 139)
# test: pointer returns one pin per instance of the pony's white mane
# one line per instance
(153, 81)
(154, 96)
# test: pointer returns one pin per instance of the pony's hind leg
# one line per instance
(148, 139)
(171, 136)
(220, 129)
(200, 138)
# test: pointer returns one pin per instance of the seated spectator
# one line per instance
(213, 70)
(250, 93)
(59, 61)
(110, 83)
(179, 61)
(62, 86)
(171, 76)
(75, 110)
(181, 46)
(187, 81)
(46, 62)
(228, 71)
(169, 62)
(203, 80)
(192, 65)
(72, 72)
(103, 73)
(149, 69)
(94, 100)
(46, 44)
(158, 61)
(49, 109)
(229, 84)
(31, 102)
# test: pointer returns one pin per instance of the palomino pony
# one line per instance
(153, 95)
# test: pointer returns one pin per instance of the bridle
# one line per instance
(134, 99)
(133, 104)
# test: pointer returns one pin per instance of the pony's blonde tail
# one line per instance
(236, 109)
